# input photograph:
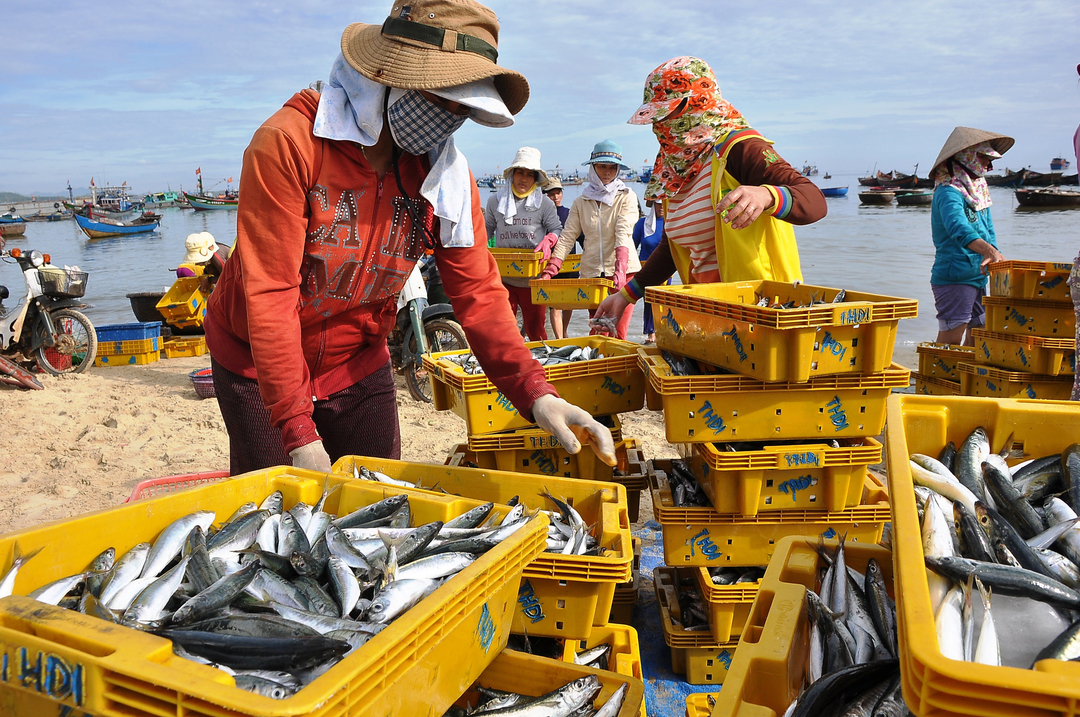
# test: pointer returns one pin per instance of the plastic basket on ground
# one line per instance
(1030, 280)
(1030, 317)
(722, 325)
(561, 595)
(767, 673)
(138, 346)
(156, 487)
(603, 386)
(626, 594)
(570, 293)
(728, 605)
(181, 346)
(725, 406)
(202, 379)
(978, 380)
(184, 304)
(695, 536)
(698, 704)
(444, 642)
(533, 676)
(939, 360)
(128, 332)
(1019, 352)
(128, 359)
(63, 284)
(930, 386)
(933, 684)
(782, 477)
(518, 263)
(625, 655)
(693, 653)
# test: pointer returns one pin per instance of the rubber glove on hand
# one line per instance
(547, 244)
(554, 266)
(622, 260)
(311, 456)
(573, 426)
(612, 307)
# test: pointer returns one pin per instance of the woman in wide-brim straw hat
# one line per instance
(731, 200)
(521, 216)
(964, 239)
(343, 193)
(605, 213)
(204, 257)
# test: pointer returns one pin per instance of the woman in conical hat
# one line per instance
(964, 239)
(344, 191)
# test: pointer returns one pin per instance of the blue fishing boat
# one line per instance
(834, 191)
(98, 228)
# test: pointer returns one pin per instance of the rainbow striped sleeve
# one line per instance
(632, 291)
(781, 201)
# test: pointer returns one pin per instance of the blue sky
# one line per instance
(146, 92)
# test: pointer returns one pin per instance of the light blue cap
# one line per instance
(607, 152)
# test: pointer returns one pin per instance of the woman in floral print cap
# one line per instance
(730, 199)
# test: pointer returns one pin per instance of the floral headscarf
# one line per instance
(686, 141)
(964, 172)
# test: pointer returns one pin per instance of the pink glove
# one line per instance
(554, 266)
(622, 260)
(547, 244)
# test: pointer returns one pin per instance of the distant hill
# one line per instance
(8, 197)
(15, 198)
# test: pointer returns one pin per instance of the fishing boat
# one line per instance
(877, 196)
(827, 176)
(1008, 179)
(809, 170)
(12, 225)
(1054, 198)
(204, 202)
(161, 200)
(101, 227)
(1059, 164)
(834, 191)
(915, 198)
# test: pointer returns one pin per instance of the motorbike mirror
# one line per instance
(16, 252)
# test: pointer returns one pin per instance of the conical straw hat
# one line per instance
(964, 137)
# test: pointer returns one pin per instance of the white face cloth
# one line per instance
(507, 200)
(599, 191)
(650, 221)
(351, 110)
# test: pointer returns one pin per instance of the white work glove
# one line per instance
(573, 426)
(311, 456)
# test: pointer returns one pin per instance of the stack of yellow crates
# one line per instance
(781, 403)
(939, 371)
(1028, 348)
(128, 344)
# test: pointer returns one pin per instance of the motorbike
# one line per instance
(408, 342)
(45, 326)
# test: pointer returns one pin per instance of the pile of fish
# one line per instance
(991, 528)
(546, 355)
(574, 699)
(736, 576)
(567, 532)
(774, 302)
(851, 668)
(687, 609)
(686, 492)
(277, 597)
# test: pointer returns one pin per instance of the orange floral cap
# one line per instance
(678, 79)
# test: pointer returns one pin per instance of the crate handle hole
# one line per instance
(854, 343)
(768, 500)
(562, 583)
(560, 604)
(813, 499)
(769, 483)
(558, 625)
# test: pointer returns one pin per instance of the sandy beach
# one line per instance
(87, 440)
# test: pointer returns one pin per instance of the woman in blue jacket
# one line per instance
(963, 231)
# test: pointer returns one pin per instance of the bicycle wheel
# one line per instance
(442, 335)
(76, 344)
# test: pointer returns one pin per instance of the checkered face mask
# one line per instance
(418, 126)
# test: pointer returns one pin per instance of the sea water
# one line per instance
(883, 250)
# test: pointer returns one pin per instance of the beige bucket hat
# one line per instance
(431, 44)
(550, 184)
(527, 158)
(964, 137)
(200, 247)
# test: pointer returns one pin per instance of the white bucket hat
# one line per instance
(200, 247)
(527, 158)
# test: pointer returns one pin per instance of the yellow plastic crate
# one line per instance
(723, 407)
(697, 704)
(784, 477)
(184, 304)
(613, 384)
(1031, 280)
(930, 386)
(518, 263)
(721, 325)
(767, 673)
(622, 605)
(534, 676)
(560, 595)
(180, 346)
(534, 450)
(110, 670)
(934, 684)
(728, 605)
(571, 263)
(978, 380)
(692, 653)
(1030, 317)
(939, 360)
(702, 537)
(571, 293)
(625, 655)
(128, 348)
(1036, 354)
(127, 359)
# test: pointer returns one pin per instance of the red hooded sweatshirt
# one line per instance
(323, 247)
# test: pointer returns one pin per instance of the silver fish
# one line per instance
(397, 597)
(149, 607)
(7, 584)
(55, 591)
(127, 568)
(171, 540)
